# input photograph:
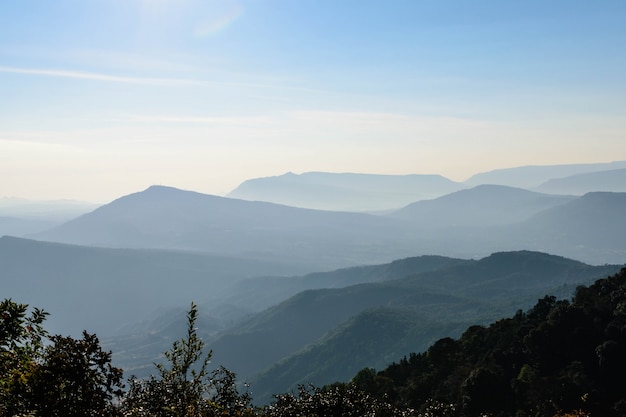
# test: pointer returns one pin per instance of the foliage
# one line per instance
(186, 388)
(76, 378)
(21, 343)
(52, 375)
(575, 413)
(336, 400)
(559, 355)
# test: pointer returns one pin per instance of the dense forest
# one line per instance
(560, 355)
(559, 358)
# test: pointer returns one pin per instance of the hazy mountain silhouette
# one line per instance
(484, 205)
(345, 191)
(613, 180)
(102, 290)
(469, 224)
(533, 176)
(146, 340)
(164, 217)
(435, 304)
(263, 292)
(466, 292)
(590, 226)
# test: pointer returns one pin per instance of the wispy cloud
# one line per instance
(94, 76)
(158, 81)
(197, 120)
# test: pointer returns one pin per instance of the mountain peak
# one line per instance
(163, 188)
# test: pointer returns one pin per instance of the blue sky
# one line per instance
(101, 98)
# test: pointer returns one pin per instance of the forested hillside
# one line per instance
(328, 334)
(560, 358)
(559, 355)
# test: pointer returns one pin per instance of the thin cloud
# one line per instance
(198, 120)
(94, 76)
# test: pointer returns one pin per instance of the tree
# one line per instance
(76, 378)
(345, 400)
(21, 337)
(185, 387)
(52, 376)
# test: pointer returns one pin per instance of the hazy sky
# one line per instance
(101, 98)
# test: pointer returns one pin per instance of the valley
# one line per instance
(291, 295)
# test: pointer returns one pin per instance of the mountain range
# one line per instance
(535, 175)
(612, 180)
(311, 277)
(469, 223)
(328, 334)
(168, 218)
(345, 191)
(370, 192)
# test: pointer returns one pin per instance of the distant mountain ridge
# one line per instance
(345, 191)
(575, 222)
(169, 218)
(535, 175)
(483, 205)
(263, 292)
(469, 223)
(612, 180)
(370, 192)
(437, 303)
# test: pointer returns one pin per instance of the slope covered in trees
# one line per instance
(369, 325)
(308, 337)
(559, 355)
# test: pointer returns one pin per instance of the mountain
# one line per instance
(560, 357)
(485, 219)
(263, 292)
(104, 290)
(483, 205)
(374, 338)
(467, 224)
(138, 349)
(613, 180)
(344, 191)
(590, 227)
(453, 297)
(533, 176)
(168, 218)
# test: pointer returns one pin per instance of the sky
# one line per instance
(102, 98)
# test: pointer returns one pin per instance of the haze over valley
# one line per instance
(400, 209)
(277, 285)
